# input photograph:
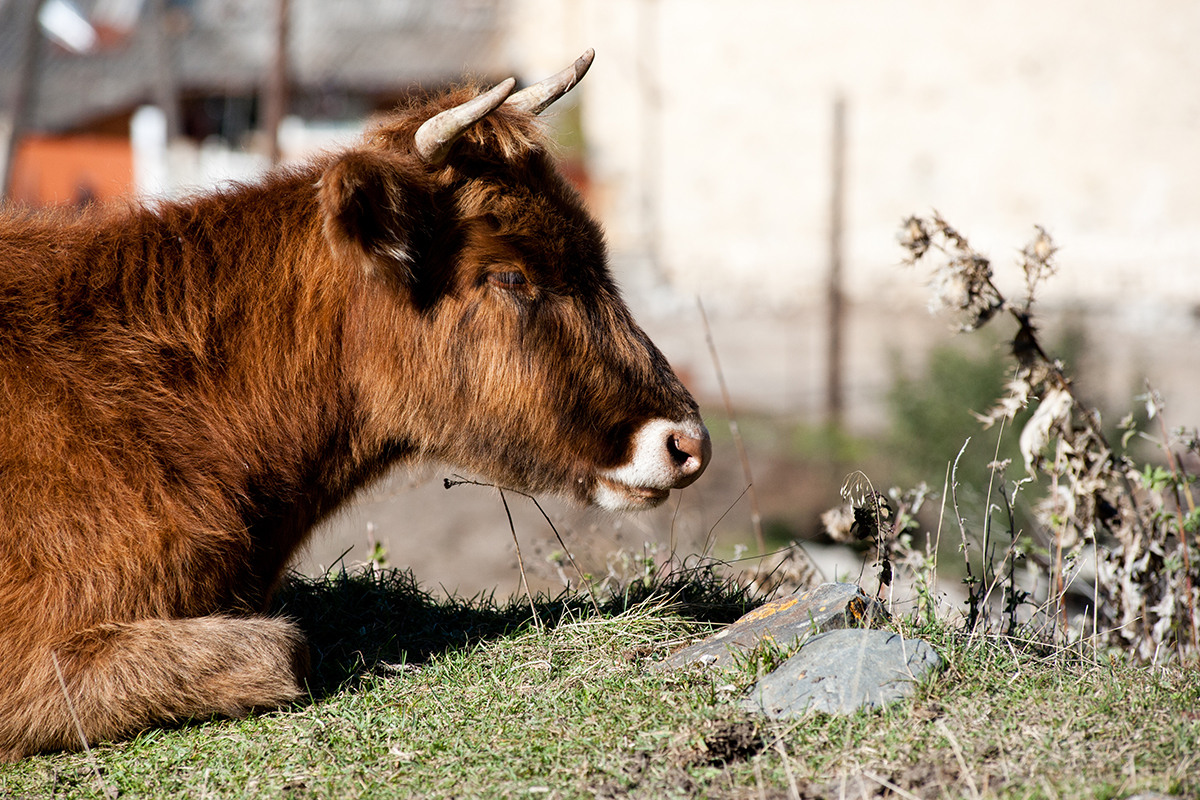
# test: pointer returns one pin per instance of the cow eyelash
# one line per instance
(506, 280)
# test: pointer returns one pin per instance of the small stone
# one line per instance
(841, 671)
(785, 621)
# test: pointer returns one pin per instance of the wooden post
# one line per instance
(650, 83)
(835, 401)
(166, 87)
(276, 100)
(23, 94)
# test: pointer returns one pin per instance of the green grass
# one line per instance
(421, 697)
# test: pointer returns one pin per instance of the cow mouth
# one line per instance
(663, 455)
(617, 496)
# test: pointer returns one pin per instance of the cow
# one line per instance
(188, 388)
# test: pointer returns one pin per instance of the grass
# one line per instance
(436, 698)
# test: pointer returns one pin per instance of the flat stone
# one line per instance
(841, 671)
(786, 621)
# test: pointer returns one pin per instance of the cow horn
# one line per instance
(537, 98)
(439, 133)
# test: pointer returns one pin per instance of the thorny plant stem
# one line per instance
(964, 547)
(1010, 553)
(987, 511)
(1013, 593)
(1183, 537)
(1057, 578)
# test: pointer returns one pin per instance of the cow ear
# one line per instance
(376, 209)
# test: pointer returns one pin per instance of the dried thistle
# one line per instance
(1147, 578)
(914, 237)
(963, 281)
(1036, 262)
(839, 523)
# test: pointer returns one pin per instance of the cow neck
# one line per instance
(255, 307)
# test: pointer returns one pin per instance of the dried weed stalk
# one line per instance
(1142, 521)
(887, 522)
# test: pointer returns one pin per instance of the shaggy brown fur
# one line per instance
(187, 390)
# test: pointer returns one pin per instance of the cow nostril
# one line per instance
(687, 452)
(677, 454)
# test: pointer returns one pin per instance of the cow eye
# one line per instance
(506, 280)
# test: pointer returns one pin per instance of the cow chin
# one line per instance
(613, 496)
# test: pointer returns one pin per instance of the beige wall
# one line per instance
(1083, 117)
(709, 122)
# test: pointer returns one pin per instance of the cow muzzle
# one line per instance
(667, 454)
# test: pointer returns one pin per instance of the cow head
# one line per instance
(486, 330)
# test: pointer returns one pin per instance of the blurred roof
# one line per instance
(226, 46)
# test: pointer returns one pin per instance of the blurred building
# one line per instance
(206, 64)
(704, 134)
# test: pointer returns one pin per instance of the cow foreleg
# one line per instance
(114, 680)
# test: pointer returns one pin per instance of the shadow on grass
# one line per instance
(360, 623)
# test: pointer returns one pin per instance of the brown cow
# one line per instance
(187, 390)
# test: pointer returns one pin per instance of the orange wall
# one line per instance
(67, 170)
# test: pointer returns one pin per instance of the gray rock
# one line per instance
(785, 621)
(842, 671)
